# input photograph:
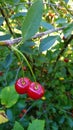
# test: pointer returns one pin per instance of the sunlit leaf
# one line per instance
(47, 43)
(68, 30)
(32, 20)
(47, 25)
(3, 117)
(9, 96)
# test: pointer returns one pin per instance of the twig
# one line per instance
(6, 19)
(17, 40)
(48, 32)
(11, 41)
(63, 49)
(33, 104)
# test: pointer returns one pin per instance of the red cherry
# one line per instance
(66, 60)
(1, 73)
(35, 90)
(72, 114)
(22, 84)
(52, 15)
(24, 68)
(20, 115)
(24, 111)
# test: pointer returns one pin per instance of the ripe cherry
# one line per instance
(24, 68)
(1, 73)
(20, 115)
(24, 111)
(66, 60)
(22, 84)
(51, 15)
(35, 90)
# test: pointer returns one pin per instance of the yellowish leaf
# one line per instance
(3, 117)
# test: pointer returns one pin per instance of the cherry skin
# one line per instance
(24, 68)
(22, 84)
(1, 73)
(24, 111)
(20, 115)
(66, 60)
(35, 90)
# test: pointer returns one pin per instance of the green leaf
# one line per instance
(28, 44)
(17, 126)
(62, 119)
(5, 37)
(61, 21)
(20, 14)
(8, 60)
(54, 126)
(70, 122)
(27, 47)
(1, 20)
(32, 20)
(70, 71)
(47, 25)
(9, 96)
(9, 114)
(71, 91)
(47, 43)
(36, 123)
(68, 30)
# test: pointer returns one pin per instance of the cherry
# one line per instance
(35, 90)
(22, 84)
(51, 15)
(20, 115)
(24, 68)
(24, 111)
(66, 60)
(1, 73)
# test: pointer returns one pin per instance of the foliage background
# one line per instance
(44, 34)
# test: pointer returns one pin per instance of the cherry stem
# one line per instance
(19, 52)
(23, 82)
(36, 87)
(20, 62)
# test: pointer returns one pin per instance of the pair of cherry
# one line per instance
(33, 89)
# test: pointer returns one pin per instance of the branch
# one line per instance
(63, 49)
(17, 40)
(3, 12)
(10, 42)
(48, 32)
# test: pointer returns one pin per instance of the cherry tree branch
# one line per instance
(4, 14)
(66, 43)
(38, 35)
(48, 32)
